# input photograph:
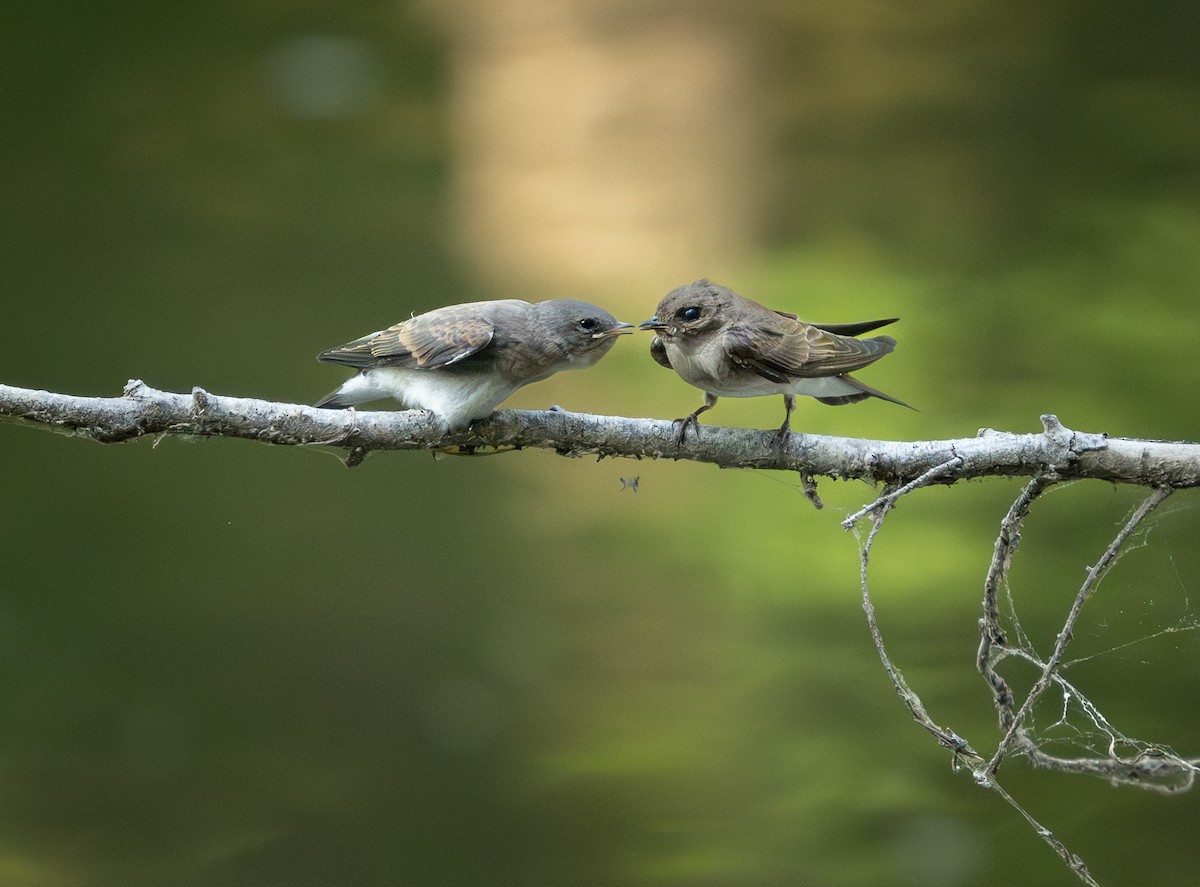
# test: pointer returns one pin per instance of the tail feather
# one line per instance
(856, 329)
(355, 390)
(334, 400)
(865, 392)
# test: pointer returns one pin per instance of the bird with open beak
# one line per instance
(462, 361)
(730, 346)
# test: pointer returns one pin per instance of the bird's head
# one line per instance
(584, 331)
(689, 311)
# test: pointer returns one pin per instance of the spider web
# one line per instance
(1067, 722)
(1054, 712)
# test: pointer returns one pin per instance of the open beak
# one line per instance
(653, 324)
(619, 330)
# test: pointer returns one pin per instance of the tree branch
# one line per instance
(964, 755)
(1056, 453)
(1050, 668)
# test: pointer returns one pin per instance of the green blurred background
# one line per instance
(227, 664)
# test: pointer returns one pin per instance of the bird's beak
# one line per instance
(619, 330)
(653, 324)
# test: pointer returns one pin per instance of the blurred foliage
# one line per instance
(227, 664)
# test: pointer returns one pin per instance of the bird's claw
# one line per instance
(681, 427)
(783, 436)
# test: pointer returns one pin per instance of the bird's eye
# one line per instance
(690, 313)
(588, 323)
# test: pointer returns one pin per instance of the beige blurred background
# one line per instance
(229, 664)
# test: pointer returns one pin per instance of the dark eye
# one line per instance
(588, 323)
(691, 313)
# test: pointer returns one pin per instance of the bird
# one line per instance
(462, 361)
(730, 346)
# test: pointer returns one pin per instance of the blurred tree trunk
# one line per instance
(619, 144)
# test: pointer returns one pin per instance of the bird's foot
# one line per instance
(783, 436)
(681, 427)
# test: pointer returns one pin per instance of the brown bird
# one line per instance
(729, 346)
(460, 362)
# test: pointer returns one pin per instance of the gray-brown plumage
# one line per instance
(730, 346)
(460, 362)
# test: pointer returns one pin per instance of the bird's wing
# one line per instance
(659, 352)
(428, 341)
(789, 348)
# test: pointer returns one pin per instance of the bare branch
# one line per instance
(946, 737)
(993, 644)
(1127, 761)
(888, 499)
(1057, 452)
(964, 755)
(1090, 584)
(1149, 767)
(1073, 861)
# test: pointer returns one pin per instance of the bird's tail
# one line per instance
(856, 329)
(864, 391)
(357, 389)
(335, 400)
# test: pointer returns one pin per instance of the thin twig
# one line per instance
(1073, 861)
(1094, 577)
(946, 737)
(993, 644)
(1146, 766)
(888, 499)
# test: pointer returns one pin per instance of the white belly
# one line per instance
(456, 398)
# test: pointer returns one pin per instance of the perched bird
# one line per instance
(729, 346)
(460, 362)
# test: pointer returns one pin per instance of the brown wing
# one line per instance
(659, 353)
(790, 348)
(435, 339)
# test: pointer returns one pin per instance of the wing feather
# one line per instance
(793, 348)
(435, 339)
